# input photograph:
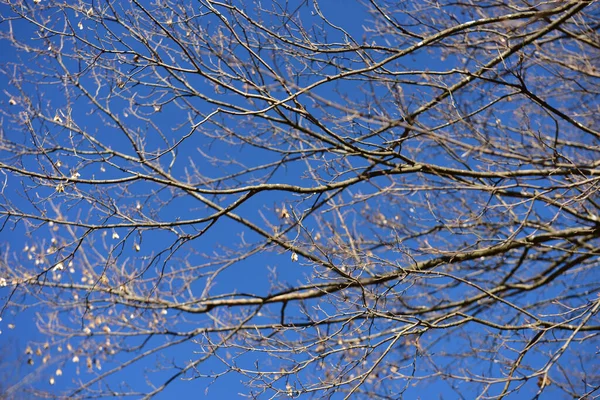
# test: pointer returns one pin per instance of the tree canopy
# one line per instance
(328, 199)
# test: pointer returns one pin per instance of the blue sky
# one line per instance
(158, 117)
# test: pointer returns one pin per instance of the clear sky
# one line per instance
(338, 129)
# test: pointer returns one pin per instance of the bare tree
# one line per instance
(377, 198)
